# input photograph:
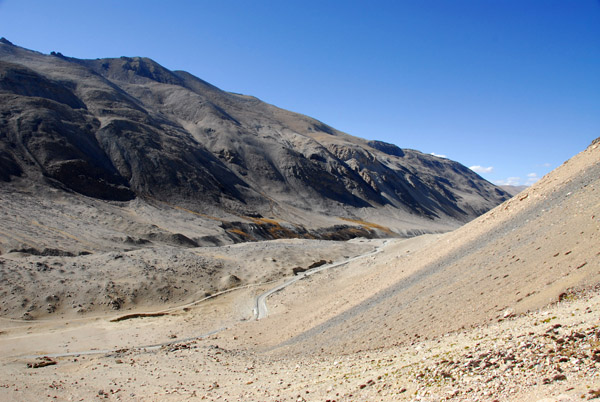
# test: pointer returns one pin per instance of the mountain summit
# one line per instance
(126, 128)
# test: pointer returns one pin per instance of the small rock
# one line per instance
(43, 362)
(594, 394)
(559, 377)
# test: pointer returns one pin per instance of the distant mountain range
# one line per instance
(513, 190)
(127, 128)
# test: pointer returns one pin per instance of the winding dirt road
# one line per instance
(260, 309)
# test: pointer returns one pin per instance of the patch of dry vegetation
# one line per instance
(370, 225)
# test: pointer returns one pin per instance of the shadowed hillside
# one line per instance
(127, 128)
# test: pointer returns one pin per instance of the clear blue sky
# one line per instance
(511, 85)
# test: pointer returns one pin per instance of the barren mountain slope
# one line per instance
(516, 258)
(113, 169)
(127, 128)
(333, 336)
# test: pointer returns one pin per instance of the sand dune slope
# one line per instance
(516, 258)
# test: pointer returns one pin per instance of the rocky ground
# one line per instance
(552, 354)
(541, 353)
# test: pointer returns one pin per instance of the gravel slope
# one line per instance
(519, 256)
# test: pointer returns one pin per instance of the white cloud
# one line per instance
(516, 181)
(481, 169)
(438, 155)
(510, 181)
(531, 178)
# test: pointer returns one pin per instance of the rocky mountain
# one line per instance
(126, 129)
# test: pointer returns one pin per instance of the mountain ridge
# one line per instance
(122, 128)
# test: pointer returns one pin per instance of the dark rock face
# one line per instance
(56, 139)
(116, 129)
(386, 148)
(22, 81)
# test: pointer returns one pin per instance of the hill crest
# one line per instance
(125, 128)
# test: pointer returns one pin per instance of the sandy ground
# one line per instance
(549, 353)
(68, 332)
(152, 279)
(504, 308)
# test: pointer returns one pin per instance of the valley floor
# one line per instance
(552, 353)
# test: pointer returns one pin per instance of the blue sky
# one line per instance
(510, 86)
